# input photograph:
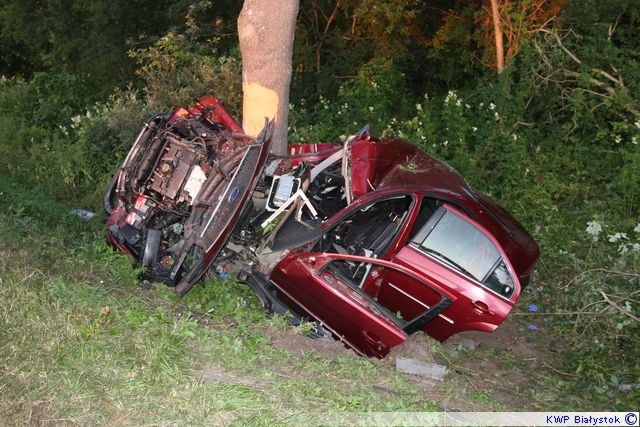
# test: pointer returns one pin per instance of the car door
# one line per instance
(461, 256)
(339, 291)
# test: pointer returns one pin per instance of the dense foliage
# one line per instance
(554, 137)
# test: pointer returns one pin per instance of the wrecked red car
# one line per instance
(372, 240)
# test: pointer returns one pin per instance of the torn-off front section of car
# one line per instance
(177, 196)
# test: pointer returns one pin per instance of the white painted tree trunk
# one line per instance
(266, 29)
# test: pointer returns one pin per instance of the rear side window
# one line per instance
(458, 244)
(500, 280)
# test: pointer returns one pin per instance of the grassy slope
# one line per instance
(81, 343)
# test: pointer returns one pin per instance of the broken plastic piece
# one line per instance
(195, 182)
(281, 190)
(469, 344)
(325, 164)
(298, 194)
(83, 213)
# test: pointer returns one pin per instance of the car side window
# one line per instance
(500, 280)
(427, 208)
(455, 242)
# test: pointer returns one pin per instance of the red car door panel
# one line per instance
(372, 312)
(347, 312)
(409, 297)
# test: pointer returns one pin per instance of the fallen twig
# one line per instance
(558, 371)
(601, 270)
(556, 313)
(617, 307)
(470, 382)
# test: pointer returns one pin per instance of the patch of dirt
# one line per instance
(476, 370)
(502, 362)
(485, 371)
(510, 335)
(448, 393)
(36, 413)
(417, 346)
(287, 339)
(301, 346)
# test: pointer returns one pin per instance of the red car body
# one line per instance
(373, 240)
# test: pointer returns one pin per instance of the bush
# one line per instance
(177, 70)
(51, 139)
(380, 91)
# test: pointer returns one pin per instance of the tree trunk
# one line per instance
(495, 13)
(266, 29)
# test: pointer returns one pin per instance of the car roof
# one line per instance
(423, 174)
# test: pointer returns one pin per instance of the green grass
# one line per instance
(81, 343)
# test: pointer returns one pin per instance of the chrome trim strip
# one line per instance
(406, 294)
(446, 318)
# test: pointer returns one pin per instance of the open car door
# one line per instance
(339, 291)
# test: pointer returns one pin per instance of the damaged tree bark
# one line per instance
(497, 31)
(266, 29)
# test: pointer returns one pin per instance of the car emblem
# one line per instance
(234, 194)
